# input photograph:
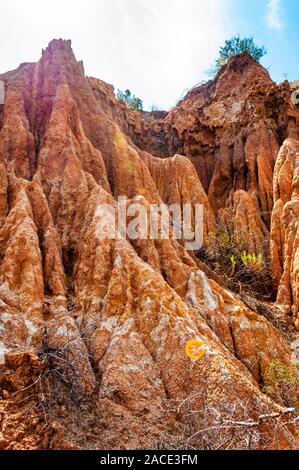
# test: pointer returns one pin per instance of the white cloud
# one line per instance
(157, 48)
(166, 45)
(274, 15)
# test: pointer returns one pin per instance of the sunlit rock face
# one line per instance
(285, 228)
(231, 129)
(93, 331)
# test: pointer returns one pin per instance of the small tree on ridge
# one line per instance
(131, 100)
(235, 46)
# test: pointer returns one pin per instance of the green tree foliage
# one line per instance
(234, 46)
(131, 100)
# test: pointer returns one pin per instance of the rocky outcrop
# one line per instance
(177, 182)
(242, 221)
(230, 128)
(93, 329)
(285, 228)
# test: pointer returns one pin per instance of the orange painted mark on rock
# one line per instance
(195, 349)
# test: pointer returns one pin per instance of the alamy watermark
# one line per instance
(2, 92)
(137, 220)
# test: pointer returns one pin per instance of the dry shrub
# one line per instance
(244, 271)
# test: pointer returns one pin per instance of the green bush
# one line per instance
(130, 100)
(235, 46)
(252, 261)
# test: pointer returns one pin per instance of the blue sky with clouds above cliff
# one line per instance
(157, 48)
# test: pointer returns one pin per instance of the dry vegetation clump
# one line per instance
(244, 271)
(281, 382)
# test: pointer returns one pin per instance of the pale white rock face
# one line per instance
(208, 301)
(3, 351)
(32, 330)
(160, 333)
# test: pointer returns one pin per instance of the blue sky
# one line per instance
(275, 25)
(157, 48)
